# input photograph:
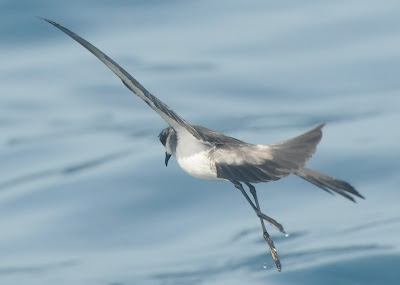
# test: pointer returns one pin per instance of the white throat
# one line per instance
(193, 157)
(198, 165)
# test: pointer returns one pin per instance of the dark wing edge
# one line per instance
(257, 163)
(329, 183)
(173, 119)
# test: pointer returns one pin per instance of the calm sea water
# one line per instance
(85, 197)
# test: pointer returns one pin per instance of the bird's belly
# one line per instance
(198, 165)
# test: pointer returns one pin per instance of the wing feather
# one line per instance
(173, 119)
(262, 163)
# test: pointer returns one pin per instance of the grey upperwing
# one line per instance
(262, 163)
(173, 119)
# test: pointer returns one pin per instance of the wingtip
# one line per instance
(41, 18)
(47, 20)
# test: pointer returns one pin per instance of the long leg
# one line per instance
(266, 236)
(261, 215)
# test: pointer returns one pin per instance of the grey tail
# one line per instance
(328, 183)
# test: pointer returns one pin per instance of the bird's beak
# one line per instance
(167, 157)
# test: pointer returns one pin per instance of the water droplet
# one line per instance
(286, 235)
(265, 266)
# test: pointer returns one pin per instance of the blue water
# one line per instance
(85, 197)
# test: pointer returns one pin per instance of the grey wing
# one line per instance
(328, 183)
(215, 137)
(263, 163)
(173, 119)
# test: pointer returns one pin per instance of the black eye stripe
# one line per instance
(163, 136)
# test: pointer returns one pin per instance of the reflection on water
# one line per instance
(37, 268)
(67, 170)
(85, 197)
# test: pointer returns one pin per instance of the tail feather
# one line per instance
(328, 183)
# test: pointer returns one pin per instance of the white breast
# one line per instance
(198, 165)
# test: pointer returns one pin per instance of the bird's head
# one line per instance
(168, 139)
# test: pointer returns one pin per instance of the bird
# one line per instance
(210, 155)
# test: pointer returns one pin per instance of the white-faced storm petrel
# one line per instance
(207, 154)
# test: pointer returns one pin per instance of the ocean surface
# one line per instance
(85, 197)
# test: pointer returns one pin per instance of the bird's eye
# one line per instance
(163, 138)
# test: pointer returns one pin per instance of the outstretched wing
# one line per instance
(262, 163)
(173, 119)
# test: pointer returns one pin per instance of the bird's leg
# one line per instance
(261, 215)
(266, 236)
